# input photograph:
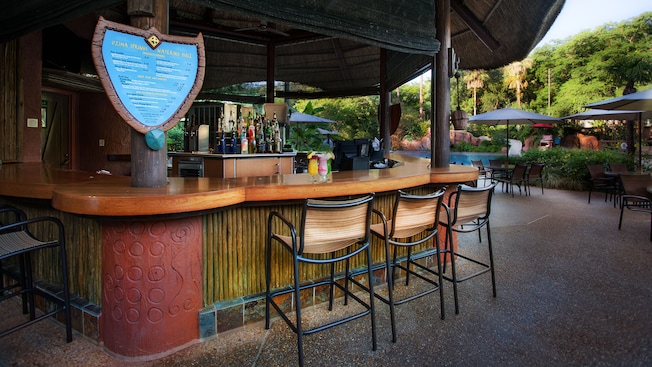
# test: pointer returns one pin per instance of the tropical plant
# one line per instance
(175, 138)
(515, 74)
(566, 168)
(475, 80)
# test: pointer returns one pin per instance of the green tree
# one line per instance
(515, 74)
(475, 80)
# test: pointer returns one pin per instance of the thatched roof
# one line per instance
(331, 46)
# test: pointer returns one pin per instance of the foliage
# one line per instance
(592, 66)
(514, 74)
(355, 117)
(175, 138)
(566, 168)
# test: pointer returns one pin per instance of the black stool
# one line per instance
(17, 241)
(331, 231)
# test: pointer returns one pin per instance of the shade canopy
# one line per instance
(595, 114)
(332, 46)
(504, 116)
(639, 101)
(614, 109)
(328, 132)
(298, 117)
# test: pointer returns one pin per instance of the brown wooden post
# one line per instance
(271, 71)
(148, 167)
(440, 96)
(384, 103)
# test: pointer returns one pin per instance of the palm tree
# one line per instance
(515, 77)
(474, 80)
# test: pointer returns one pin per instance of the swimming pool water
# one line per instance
(463, 158)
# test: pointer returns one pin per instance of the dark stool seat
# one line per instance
(16, 241)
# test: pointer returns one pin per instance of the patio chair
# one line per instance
(482, 172)
(635, 196)
(534, 174)
(518, 178)
(599, 181)
(468, 210)
(330, 232)
(619, 168)
(496, 174)
(17, 242)
(413, 222)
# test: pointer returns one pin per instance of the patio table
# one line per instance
(504, 169)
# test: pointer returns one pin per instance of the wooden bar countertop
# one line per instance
(88, 193)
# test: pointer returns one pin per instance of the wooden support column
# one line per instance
(148, 167)
(271, 72)
(384, 103)
(440, 95)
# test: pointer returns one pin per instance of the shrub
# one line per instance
(566, 168)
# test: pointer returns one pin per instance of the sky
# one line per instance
(584, 15)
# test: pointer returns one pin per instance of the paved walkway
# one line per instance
(572, 291)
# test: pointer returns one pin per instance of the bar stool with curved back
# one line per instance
(534, 174)
(337, 228)
(468, 210)
(414, 222)
(16, 241)
(13, 277)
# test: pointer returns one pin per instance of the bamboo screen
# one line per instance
(234, 250)
(8, 103)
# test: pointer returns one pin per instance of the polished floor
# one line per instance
(573, 290)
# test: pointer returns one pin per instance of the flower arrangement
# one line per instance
(319, 164)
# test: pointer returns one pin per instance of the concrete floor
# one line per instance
(572, 291)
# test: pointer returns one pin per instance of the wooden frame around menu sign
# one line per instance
(150, 78)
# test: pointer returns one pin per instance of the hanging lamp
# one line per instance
(459, 117)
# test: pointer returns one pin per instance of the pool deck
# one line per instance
(572, 290)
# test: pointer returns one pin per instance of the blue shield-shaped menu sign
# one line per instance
(151, 78)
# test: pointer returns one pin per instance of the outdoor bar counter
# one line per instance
(156, 269)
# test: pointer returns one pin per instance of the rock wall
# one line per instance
(458, 136)
(580, 141)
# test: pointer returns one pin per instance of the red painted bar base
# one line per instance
(151, 285)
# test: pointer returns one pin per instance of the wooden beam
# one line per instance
(474, 24)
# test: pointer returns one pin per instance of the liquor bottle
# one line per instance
(260, 138)
(252, 139)
(235, 140)
(278, 144)
(222, 149)
(269, 137)
(244, 142)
